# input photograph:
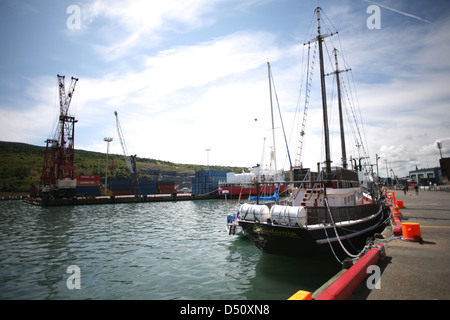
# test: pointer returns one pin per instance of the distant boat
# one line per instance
(331, 212)
(243, 185)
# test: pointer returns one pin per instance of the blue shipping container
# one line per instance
(88, 190)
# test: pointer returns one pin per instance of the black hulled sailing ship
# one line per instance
(332, 211)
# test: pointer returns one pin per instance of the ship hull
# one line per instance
(319, 240)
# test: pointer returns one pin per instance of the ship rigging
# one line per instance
(329, 210)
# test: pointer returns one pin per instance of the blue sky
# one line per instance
(185, 76)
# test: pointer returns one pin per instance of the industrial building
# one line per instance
(426, 177)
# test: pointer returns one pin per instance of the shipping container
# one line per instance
(88, 182)
(120, 188)
(169, 190)
(144, 191)
(119, 182)
(87, 177)
(145, 187)
(121, 192)
(166, 187)
(147, 182)
(207, 181)
(88, 190)
(166, 183)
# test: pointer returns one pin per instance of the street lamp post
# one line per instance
(107, 140)
(207, 156)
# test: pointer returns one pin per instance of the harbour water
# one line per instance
(152, 251)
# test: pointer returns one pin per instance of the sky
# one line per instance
(187, 76)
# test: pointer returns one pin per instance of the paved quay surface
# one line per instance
(413, 270)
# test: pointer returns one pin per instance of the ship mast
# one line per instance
(320, 38)
(341, 120)
(271, 110)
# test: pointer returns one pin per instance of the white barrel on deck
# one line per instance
(254, 212)
(288, 215)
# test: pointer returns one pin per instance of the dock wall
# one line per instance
(118, 199)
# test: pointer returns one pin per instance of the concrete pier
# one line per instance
(416, 270)
(119, 199)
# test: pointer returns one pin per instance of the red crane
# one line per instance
(57, 171)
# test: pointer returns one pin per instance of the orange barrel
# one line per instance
(411, 231)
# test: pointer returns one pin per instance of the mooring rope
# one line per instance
(339, 238)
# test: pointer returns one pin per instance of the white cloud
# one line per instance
(401, 76)
(186, 96)
(140, 23)
(207, 62)
(176, 100)
(23, 119)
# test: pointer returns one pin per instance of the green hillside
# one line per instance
(21, 166)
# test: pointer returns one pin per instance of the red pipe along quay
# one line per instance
(343, 287)
(415, 269)
(348, 280)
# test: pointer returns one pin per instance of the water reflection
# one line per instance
(167, 250)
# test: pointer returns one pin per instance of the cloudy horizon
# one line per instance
(186, 76)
